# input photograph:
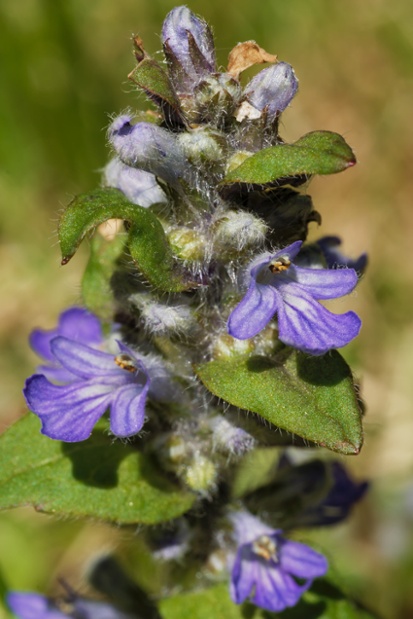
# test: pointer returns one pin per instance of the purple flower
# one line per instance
(149, 147)
(95, 381)
(338, 502)
(267, 565)
(139, 187)
(35, 606)
(189, 48)
(277, 286)
(329, 246)
(272, 89)
(76, 323)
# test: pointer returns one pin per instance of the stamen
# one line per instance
(265, 547)
(281, 264)
(126, 362)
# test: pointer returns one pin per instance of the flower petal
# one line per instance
(68, 413)
(128, 409)
(80, 325)
(75, 323)
(39, 341)
(324, 283)
(32, 606)
(82, 360)
(307, 325)
(254, 312)
(139, 187)
(302, 561)
(275, 590)
(244, 574)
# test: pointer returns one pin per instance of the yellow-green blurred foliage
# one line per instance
(63, 73)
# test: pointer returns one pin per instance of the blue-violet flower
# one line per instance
(35, 606)
(93, 381)
(277, 286)
(267, 565)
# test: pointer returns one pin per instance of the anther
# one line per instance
(280, 264)
(126, 362)
(265, 547)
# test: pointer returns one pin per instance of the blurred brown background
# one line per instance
(63, 73)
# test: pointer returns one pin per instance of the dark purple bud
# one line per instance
(148, 147)
(335, 259)
(189, 48)
(272, 89)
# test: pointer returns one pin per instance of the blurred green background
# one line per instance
(63, 74)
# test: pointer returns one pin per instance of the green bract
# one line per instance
(318, 152)
(147, 242)
(313, 397)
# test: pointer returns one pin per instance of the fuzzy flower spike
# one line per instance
(277, 286)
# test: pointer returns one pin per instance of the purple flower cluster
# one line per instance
(267, 565)
(277, 286)
(94, 381)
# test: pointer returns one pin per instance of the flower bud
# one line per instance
(201, 474)
(272, 89)
(172, 451)
(225, 346)
(162, 319)
(139, 187)
(217, 563)
(335, 259)
(230, 439)
(239, 230)
(189, 48)
(149, 147)
(216, 98)
(187, 243)
(202, 145)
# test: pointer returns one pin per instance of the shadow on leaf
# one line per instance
(95, 462)
(258, 363)
(327, 371)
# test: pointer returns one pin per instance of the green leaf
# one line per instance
(318, 152)
(213, 603)
(154, 81)
(255, 470)
(97, 478)
(147, 242)
(313, 397)
(323, 601)
(96, 290)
